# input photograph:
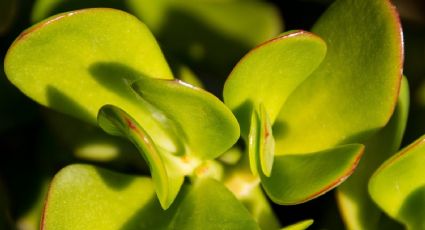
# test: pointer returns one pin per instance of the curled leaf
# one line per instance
(167, 177)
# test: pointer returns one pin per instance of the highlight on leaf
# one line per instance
(206, 125)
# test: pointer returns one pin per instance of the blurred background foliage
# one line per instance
(203, 38)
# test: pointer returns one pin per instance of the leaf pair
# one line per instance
(88, 197)
(195, 32)
(318, 95)
(103, 53)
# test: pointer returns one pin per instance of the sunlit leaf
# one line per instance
(254, 142)
(207, 125)
(354, 91)
(398, 186)
(269, 74)
(301, 177)
(167, 177)
(76, 62)
(357, 209)
(210, 27)
(267, 144)
(203, 208)
(88, 197)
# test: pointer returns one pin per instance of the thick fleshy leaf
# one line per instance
(354, 91)
(211, 27)
(203, 208)
(261, 142)
(76, 62)
(357, 209)
(267, 143)
(301, 177)
(207, 125)
(302, 225)
(167, 176)
(87, 197)
(254, 142)
(269, 74)
(398, 186)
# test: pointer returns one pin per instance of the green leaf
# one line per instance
(398, 186)
(299, 226)
(211, 27)
(301, 177)
(267, 143)
(261, 142)
(167, 176)
(88, 197)
(354, 91)
(76, 62)
(270, 73)
(254, 141)
(208, 126)
(357, 209)
(209, 205)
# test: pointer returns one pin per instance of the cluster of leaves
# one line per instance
(312, 109)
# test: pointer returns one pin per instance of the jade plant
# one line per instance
(311, 109)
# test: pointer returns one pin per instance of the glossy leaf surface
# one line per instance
(398, 185)
(269, 74)
(76, 62)
(87, 197)
(354, 90)
(167, 177)
(207, 125)
(357, 208)
(261, 142)
(211, 27)
(299, 178)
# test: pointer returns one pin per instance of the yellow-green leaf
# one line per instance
(398, 186)
(353, 92)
